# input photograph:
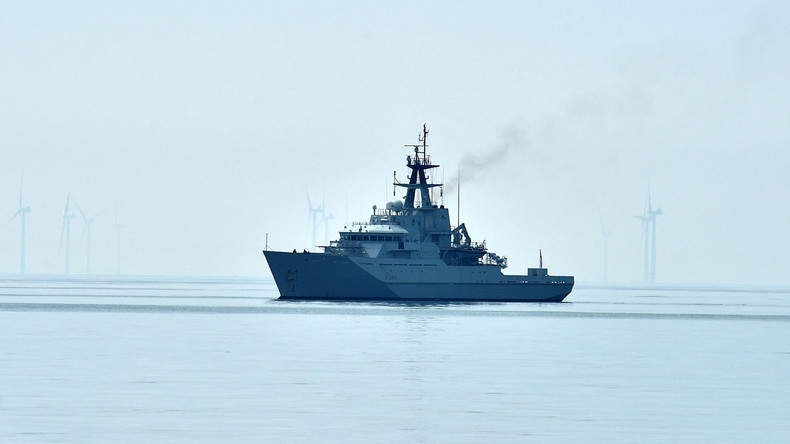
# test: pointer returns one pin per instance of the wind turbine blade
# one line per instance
(62, 232)
(15, 215)
(66, 210)
(21, 180)
(649, 205)
(97, 215)
(84, 217)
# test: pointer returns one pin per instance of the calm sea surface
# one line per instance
(220, 360)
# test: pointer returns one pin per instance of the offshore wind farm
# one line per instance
(318, 222)
(64, 245)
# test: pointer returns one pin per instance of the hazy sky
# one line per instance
(205, 124)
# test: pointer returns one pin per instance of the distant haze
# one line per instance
(203, 126)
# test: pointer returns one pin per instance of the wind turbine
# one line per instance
(313, 217)
(606, 235)
(66, 229)
(88, 223)
(21, 213)
(651, 214)
(648, 219)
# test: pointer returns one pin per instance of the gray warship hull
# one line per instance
(322, 276)
(409, 252)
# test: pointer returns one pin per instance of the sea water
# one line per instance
(221, 360)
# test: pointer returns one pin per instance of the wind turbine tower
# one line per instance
(646, 239)
(648, 219)
(88, 223)
(325, 219)
(65, 229)
(313, 217)
(21, 213)
(651, 214)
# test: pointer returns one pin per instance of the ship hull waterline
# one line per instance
(321, 276)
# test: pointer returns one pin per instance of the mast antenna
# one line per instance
(441, 188)
(424, 137)
(458, 195)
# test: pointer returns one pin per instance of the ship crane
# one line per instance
(461, 235)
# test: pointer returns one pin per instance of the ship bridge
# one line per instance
(414, 227)
(374, 233)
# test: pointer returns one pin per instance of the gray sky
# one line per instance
(205, 124)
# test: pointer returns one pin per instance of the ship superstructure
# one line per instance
(408, 251)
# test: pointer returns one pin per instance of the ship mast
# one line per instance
(417, 179)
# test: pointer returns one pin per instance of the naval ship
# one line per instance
(409, 252)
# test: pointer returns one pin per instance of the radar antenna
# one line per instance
(424, 137)
(423, 143)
